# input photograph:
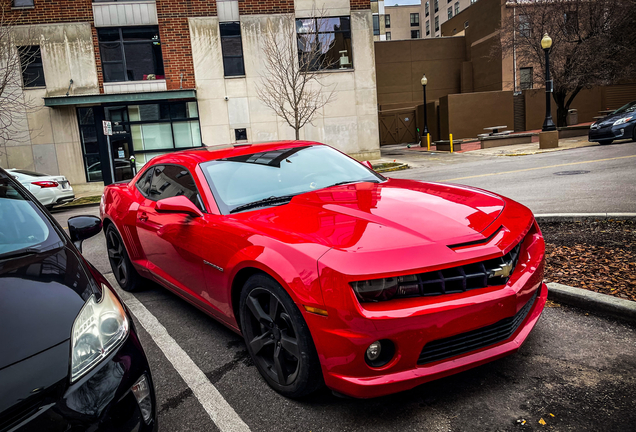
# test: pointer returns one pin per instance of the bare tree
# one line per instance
(593, 43)
(13, 105)
(292, 85)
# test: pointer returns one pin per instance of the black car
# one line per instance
(621, 124)
(70, 359)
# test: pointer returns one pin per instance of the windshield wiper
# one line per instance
(21, 252)
(354, 181)
(264, 202)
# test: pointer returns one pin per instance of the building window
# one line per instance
(130, 53)
(376, 24)
(387, 21)
(232, 48)
(426, 11)
(333, 34)
(465, 24)
(415, 34)
(525, 29)
(428, 27)
(90, 145)
(436, 5)
(388, 35)
(456, 8)
(436, 24)
(473, 1)
(525, 78)
(23, 3)
(32, 71)
(415, 19)
(450, 12)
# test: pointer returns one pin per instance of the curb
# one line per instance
(401, 167)
(574, 217)
(593, 301)
(71, 207)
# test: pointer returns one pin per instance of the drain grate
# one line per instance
(570, 172)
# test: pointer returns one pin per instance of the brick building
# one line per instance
(171, 76)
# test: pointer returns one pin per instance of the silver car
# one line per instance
(50, 190)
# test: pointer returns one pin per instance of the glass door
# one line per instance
(121, 148)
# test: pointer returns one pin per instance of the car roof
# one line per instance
(205, 154)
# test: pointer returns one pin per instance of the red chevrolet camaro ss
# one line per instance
(332, 273)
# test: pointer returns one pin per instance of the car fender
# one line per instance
(283, 266)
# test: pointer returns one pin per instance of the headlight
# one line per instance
(385, 289)
(97, 330)
(622, 121)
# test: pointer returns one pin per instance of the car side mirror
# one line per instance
(178, 204)
(81, 228)
(367, 164)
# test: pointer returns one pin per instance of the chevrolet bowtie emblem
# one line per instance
(503, 270)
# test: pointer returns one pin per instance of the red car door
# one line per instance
(170, 241)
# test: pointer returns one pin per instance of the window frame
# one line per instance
(428, 27)
(376, 28)
(436, 24)
(436, 5)
(28, 53)
(450, 12)
(387, 21)
(224, 55)
(415, 19)
(456, 8)
(122, 46)
(427, 11)
(417, 33)
(531, 82)
(388, 35)
(317, 31)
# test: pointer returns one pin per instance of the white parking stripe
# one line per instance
(221, 413)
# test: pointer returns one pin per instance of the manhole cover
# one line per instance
(570, 172)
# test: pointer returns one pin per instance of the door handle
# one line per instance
(143, 217)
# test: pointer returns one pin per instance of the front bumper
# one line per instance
(622, 131)
(342, 338)
(100, 401)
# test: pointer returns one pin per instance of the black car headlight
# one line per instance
(386, 289)
(98, 329)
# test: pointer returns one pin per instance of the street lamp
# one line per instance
(424, 81)
(548, 124)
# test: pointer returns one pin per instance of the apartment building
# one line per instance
(111, 80)
(420, 21)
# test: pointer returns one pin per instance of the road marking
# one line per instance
(221, 413)
(537, 168)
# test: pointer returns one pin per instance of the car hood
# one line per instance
(378, 216)
(610, 119)
(40, 297)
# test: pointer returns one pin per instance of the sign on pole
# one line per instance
(108, 127)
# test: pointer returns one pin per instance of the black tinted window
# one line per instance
(165, 181)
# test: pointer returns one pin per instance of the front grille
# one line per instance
(473, 340)
(482, 274)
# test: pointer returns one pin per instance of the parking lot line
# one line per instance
(221, 413)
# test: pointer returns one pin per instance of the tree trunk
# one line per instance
(297, 133)
(562, 111)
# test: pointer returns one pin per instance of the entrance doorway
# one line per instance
(121, 148)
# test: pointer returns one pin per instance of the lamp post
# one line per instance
(424, 81)
(548, 124)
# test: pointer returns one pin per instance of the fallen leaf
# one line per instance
(542, 422)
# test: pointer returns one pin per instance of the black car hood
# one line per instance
(40, 297)
(610, 119)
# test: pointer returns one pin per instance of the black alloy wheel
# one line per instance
(278, 338)
(126, 275)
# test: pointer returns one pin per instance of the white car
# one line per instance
(50, 190)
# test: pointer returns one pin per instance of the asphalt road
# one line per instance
(584, 180)
(576, 372)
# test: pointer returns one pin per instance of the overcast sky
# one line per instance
(401, 2)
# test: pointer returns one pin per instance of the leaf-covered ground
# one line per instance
(595, 255)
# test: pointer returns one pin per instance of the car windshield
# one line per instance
(630, 107)
(241, 180)
(24, 229)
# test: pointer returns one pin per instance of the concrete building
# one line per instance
(420, 21)
(171, 76)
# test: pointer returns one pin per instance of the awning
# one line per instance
(92, 99)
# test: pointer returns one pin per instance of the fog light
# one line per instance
(141, 390)
(374, 351)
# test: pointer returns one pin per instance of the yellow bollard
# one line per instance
(428, 141)
(451, 141)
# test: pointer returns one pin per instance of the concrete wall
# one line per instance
(349, 123)
(466, 115)
(401, 64)
(588, 103)
(51, 141)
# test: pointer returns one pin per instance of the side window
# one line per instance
(172, 181)
(143, 184)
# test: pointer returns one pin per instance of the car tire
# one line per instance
(278, 341)
(123, 270)
(605, 142)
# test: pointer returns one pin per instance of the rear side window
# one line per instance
(165, 181)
